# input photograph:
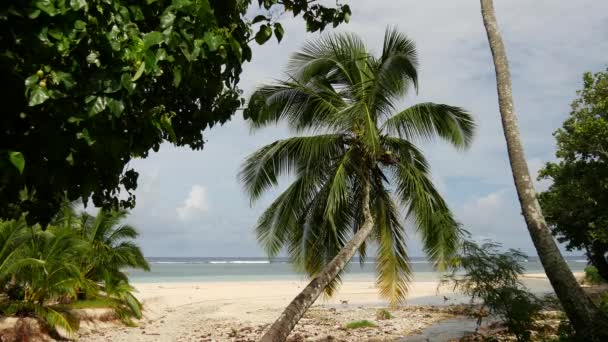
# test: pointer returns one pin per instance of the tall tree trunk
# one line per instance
(580, 310)
(281, 328)
(597, 257)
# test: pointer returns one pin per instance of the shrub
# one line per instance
(44, 273)
(565, 332)
(592, 276)
(383, 314)
(604, 304)
(493, 278)
(361, 324)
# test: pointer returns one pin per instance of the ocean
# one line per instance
(257, 269)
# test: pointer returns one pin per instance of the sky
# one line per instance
(189, 203)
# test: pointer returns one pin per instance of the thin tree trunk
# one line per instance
(580, 310)
(281, 328)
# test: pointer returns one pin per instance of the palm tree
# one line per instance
(584, 316)
(112, 248)
(352, 177)
(12, 235)
(48, 271)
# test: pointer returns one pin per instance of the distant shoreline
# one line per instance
(175, 270)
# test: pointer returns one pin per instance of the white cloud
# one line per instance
(535, 164)
(196, 202)
(483, 212)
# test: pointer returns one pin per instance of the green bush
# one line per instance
(592, 276)
(565, 332)
(77, 262)
(604, 304)
(493, 278)
(361, 324)
(383, 314)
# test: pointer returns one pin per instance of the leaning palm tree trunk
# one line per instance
(281, 328)
(578, 306)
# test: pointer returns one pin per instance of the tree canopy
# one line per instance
(89, 85)
(576, 202)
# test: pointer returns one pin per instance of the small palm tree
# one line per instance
(111, 251)
(112, 247)
(352, 177)
(48, 271)
(12, 235)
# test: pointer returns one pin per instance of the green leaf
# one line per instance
(152, 38)
(84, 134)
(259, 18)
(165, 122)
(150, 59)
(56, 33)
(236, 48)
(137, 13)
(127, 83)
(80, 25)
(278, 31)
(78, 4)
(17, 160)
(161, 54)
(65, 79)
(37, 96)
(139, 72)
(263, 34)
(47, 6)
(70, 159)
(34, 14)
(179, 4)
(167, 19)
(32, 80)
(213, 40)
(177, 76)
(24, 194)
(93, 58)
(97, 105)
(116, 106)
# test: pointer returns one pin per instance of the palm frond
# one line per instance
(427, 120)
(262, 169)
(331, 56)
(393, 269)
(395, 71)
(439, 231)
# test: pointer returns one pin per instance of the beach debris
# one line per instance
(322, 323)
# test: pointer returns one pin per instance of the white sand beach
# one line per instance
(241, 310)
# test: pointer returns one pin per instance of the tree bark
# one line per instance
(281, 328)
(597, 257)
(580, 310)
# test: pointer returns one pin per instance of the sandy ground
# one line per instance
(240, 311)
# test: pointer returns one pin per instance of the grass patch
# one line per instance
(592, 276)
(90, 304)
(361, 324)
(383, 314)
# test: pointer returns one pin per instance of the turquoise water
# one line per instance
(257, 269)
